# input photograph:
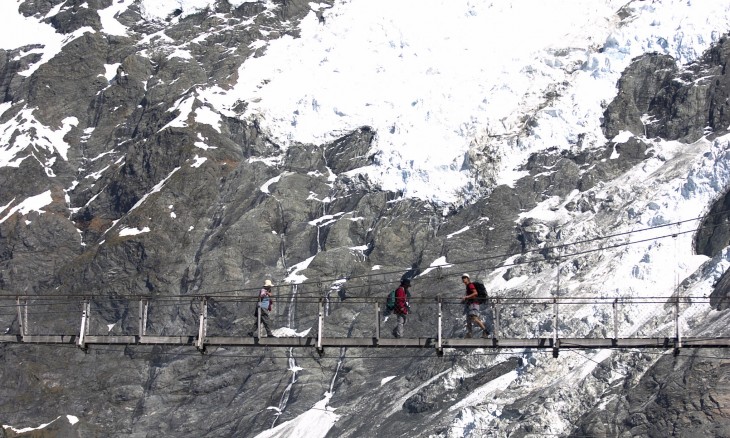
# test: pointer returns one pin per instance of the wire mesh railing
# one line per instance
(433, 322)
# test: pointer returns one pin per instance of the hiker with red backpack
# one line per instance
(472, 300)
(401, 306)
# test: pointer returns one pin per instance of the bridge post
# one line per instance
(377, 321)
(615, 319)
(320, 327)
(439, 346)
(143, 303)
(555, 327)
(555, 309)
(84, 330)
(677, 330)
(495, 317)
(21, 321)
(203, 328)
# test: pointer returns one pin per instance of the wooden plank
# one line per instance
(50, 339)
(351, 342)
(111, 340)
(309, 341)
(644, 343)
(568, 343)
(499, 343)
(166, 340)
(408, 342)
(10, 338)
(232, 341)
(705, 342)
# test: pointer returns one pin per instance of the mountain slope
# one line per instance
(551, 149)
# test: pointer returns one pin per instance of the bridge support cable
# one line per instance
(203, 327)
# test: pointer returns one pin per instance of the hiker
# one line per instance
(401, 306)
(263, 307)
(471, 307)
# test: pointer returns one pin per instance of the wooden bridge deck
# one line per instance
(421, 342)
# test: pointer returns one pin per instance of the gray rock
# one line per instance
(221, 228)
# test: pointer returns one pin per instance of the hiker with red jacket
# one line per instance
(471, 307)
(401, 306)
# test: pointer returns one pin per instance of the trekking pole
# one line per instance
(258, 318)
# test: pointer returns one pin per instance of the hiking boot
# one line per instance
(485, 334)
(468, 335)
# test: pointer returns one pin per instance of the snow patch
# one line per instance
(438, 263)
(198, 161)
(286, 332)
(370, 65)
(70, 418)
(155, 189)
(314, 423)
(132, 231)
(294, 275)
(386, 380)
(184, 106)
(109, 23)
(206, 115)
(34, 203)
(265, 188)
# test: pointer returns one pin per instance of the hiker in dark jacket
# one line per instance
(471, 307)
(401, 307)
(264, 306)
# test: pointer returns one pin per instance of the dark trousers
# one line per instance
(264, 322)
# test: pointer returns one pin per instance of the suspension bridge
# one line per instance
(29, 321)
(33, 323)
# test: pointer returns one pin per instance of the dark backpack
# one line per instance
(481, 292)
(390, 300)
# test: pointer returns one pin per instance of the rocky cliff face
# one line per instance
(146, 191)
